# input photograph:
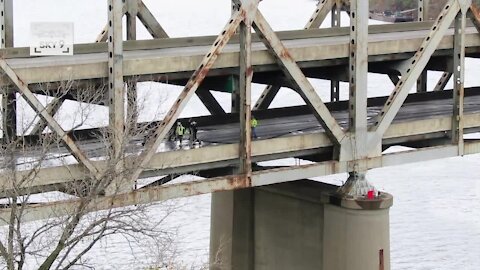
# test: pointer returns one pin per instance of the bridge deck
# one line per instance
(284, 132)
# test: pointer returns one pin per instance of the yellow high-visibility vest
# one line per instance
(253, 122)
(180, 130)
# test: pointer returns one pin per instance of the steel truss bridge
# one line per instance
(337, 136)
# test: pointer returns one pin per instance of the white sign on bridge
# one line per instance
(51, 38)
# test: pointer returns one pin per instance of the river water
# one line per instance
(435, 220)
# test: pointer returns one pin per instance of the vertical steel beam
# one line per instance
(336, 19)
(6, 21)
(8, 95)
(235, 97)
(417, 63)
(422, 79)
(336, 22)
(422, 82)
(358, 73)
(334, 91)
(210, 102)
(442, 82)
(116, 89)
(132, 94)
(357, 184)
(458, 81)
(9, 114)
(421, 10)
(245, 82)
(132, 12)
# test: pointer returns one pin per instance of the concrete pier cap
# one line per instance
(356, 228)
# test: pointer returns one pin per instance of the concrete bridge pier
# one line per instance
(299, 225)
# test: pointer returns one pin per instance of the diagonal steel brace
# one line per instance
(323, 8)
(317, 18)
(52, 123)
(417, 65)
(52, 108)
(147, 19)
(298, 79)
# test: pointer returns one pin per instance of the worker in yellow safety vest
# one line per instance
(253, 125)
(179, 132)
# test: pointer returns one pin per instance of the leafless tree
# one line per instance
(62, 240)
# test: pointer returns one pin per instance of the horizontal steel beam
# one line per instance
(313, 52)
(224, 155)
(132, 45)
(259, 178)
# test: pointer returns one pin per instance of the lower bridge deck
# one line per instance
(425, 120)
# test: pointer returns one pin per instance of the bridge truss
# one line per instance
(354, 146)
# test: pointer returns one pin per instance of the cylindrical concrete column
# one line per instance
(357, 233)
(298, 225)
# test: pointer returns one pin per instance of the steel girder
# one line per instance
(422, 10)
(422, 15)
(34, 71)
(422, 82)
(335, 22)
(231, 182)
(245, 86)
(116, 93)
(356, 149)
(8, 94)
(358, 73)
(458, 81)
(131, 7)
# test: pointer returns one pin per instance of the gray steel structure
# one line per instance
(278, 59)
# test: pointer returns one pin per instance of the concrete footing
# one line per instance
(298, 225)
